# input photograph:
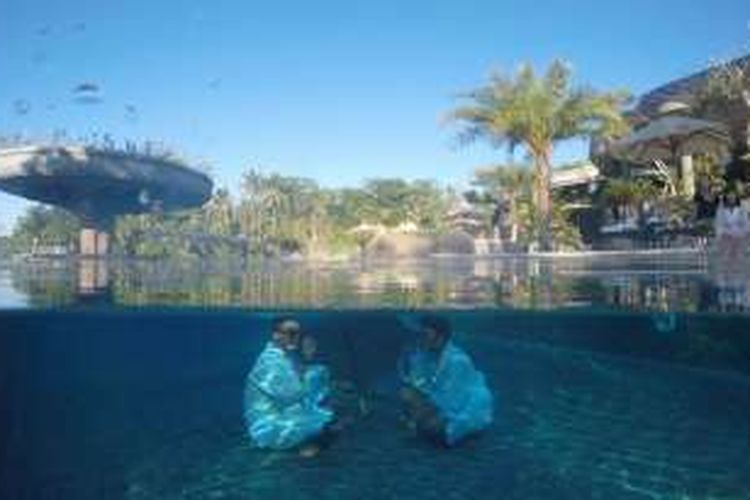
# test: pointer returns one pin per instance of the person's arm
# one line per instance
(277, 379)
(403, 367)
(744, 222)
(720, 220)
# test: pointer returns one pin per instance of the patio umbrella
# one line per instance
(671, 136)
(466, 221)
(365, 228)
(675, 138)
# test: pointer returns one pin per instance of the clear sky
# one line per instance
(337, 90)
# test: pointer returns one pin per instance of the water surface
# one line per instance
(679, 281)
(614, 378)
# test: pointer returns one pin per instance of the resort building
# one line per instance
(687, 91)
(680, 131)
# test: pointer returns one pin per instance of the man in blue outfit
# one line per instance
(445, 397)
(285, 398)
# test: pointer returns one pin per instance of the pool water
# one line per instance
(589, 403)
(681, 282)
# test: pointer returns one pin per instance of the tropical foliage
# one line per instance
(283, 214)
(507, 184)
(43, 226)
(627, 197)
(725, 97)
(513, 186)
(726, 90)
(536, 112)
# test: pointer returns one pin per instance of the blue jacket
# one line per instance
(455, 387)
(282, 402)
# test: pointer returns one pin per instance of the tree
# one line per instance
(725, 96)
(282, 211)
(509, 182)
(46, 225)
(390, 202)
(218, 214)
(5, 247)
(536, 112)
(623, 195)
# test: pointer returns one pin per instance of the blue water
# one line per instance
(594, 402)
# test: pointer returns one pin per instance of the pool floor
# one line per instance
(568, 425)
(155, 413)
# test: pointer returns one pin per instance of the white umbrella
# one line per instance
(675, 138)
(671, 136)
(366, 228)
(466, 221)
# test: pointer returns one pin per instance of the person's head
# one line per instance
(286, 333)
(436, 332)
(730, 199)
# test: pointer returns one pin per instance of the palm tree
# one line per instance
(622, 195)
(536, 112)
(628, 197)
(510, 182)
(219, 213)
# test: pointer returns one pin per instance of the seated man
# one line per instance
(283, 407)
(445, 397)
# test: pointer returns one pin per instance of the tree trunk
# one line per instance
(542, 195)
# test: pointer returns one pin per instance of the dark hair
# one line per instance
(278, 321)
(438, 323)
(725, 198)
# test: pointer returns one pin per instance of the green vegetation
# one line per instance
(514, 185)
(627, 197)
(536, 112)
(5, 247)
(41, 228)
(725, 97)
(276, 214)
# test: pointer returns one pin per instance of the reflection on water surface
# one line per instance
(680, 281)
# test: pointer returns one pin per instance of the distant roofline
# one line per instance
(679, 89)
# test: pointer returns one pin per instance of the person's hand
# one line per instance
(309, 348)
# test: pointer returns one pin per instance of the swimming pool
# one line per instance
(123, 400)
(680, 281)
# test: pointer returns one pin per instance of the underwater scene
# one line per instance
(584, 387)
(381, 250)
